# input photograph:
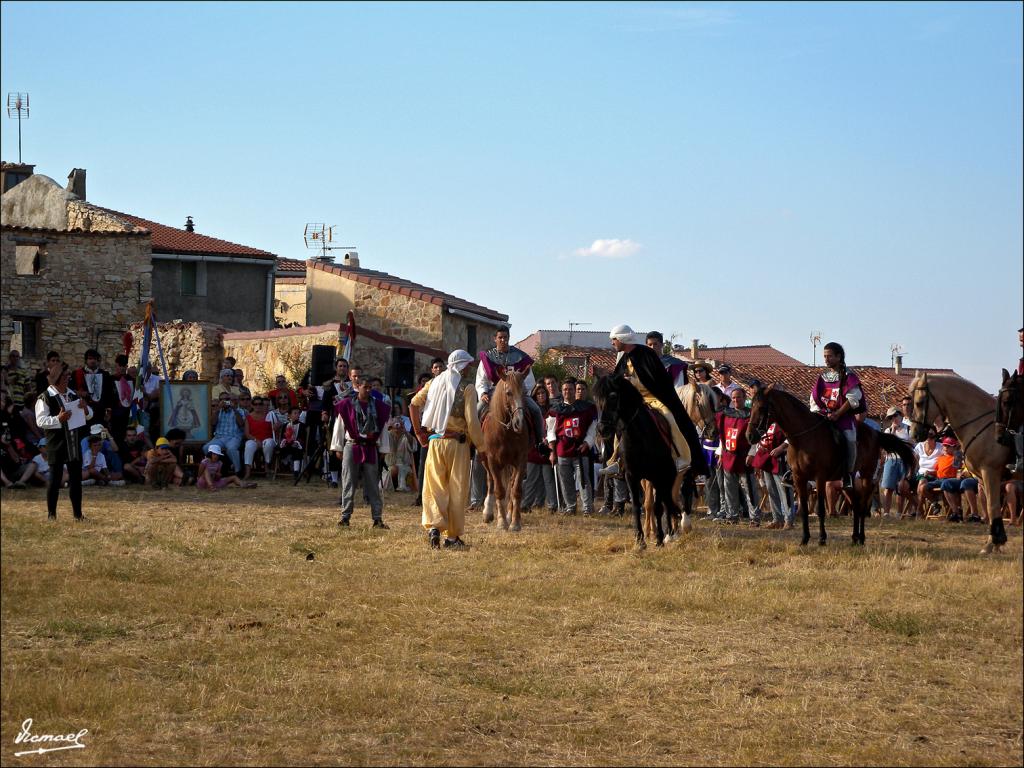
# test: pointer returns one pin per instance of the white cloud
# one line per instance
(609, 249)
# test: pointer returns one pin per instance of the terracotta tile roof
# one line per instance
(172, 240)
(599, 361)
(387, 282)
(754, 354)
(295, 266)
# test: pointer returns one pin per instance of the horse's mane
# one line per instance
(953, 379)
(602, 388)
(801, 405)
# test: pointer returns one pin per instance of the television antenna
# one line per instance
(320, 236)
(895, 351)
(815, 341)
(17, 107)
(573, 326)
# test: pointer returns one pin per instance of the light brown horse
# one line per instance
(506, 444)
(971, 413)
(815, 453)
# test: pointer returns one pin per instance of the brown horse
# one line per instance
(816, 452)
(506, 445)
(971, 414)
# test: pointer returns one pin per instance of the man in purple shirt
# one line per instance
(362, 418)
(839, 398)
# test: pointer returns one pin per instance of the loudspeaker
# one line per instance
(322, 367)
(399, 367)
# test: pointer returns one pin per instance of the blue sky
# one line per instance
(741, 173)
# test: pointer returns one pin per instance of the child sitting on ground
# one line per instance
(210, 472)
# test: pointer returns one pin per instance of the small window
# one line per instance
(25, 336)
(471, 339)
(28, 259)
(193, 278)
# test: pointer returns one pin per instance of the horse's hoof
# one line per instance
(687, 524)
(822, 542)
(516, 527)
(488, 518)
(803, 543)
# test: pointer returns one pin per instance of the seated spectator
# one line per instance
(42, 473)
(133, 454)
(290, 445)
(94, 464)
(1014, 490)
(239, 378)
(281, 388)
(187, 457)
(927, 453)
(259, 433)
(228, 430)
(161, 468)
(210, 472)
(109, 447)
(17, 468)
(225, 385)
(190, 375)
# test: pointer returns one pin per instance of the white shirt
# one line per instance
(43, 418)
(485, 387)
(926, 461)
(44, 466)
(99, 463)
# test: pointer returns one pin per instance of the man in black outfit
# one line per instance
(54, 409)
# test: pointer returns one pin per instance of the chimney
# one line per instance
(76, 183)
(351, 259)
(189, 226)
(694, 348)
(898, 368)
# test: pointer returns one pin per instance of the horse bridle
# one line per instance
(761, 429)
(707, 426)
(513, 409)
(958, 429)
(1003, 422)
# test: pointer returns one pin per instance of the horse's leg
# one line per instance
(638, 529)
(516, 493)
(489, 499)
(822, 484)
(649, 507)
(996, 532)
(501, 496)
(800, 486)
(688, 491)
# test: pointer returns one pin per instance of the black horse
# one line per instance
(646, 453)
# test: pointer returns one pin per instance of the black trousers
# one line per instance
(57, 465)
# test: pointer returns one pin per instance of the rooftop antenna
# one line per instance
(895, 351)
(319, 236)
(17, 107)
(572, 327)
(815, 341)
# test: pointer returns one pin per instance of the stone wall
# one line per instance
(396, 314)
(186, 346)
(89, 288)
(88, 218)
(263, 354)
(456, 333)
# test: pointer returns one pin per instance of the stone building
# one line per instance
(67, 258)
(74, 276)
(317, 292)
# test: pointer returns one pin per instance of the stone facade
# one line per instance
(228, 294)
(290, 301)
(87, 288)
(197, 347)
(395, 314)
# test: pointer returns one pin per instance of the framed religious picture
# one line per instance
(185, 405)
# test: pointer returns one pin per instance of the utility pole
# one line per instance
(572, 327)
(815, 341)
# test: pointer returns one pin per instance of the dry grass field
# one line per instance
(193, 628)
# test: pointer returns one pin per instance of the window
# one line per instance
(471, 339)
(193, 278)
(13, 178)
(188, 278)
(28, 259)
(25, 336)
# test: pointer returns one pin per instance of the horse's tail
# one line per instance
(893, 444)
